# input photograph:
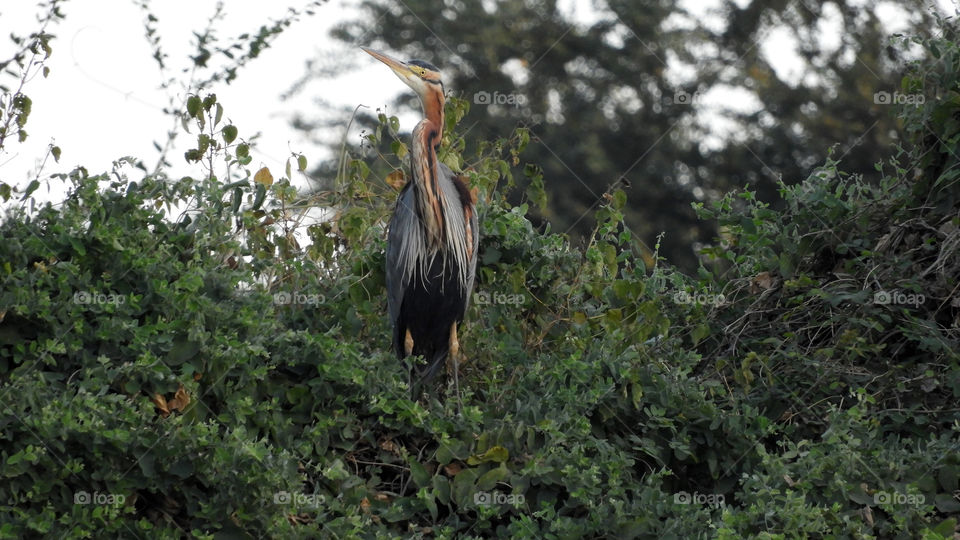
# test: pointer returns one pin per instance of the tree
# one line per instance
(605, 100)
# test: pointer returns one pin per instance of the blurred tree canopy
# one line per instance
(682, 106)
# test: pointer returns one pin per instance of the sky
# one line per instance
(102, 99)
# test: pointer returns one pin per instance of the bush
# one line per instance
(207, 375)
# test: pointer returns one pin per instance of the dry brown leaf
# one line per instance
(180, 400)
(161, 403)
(263, 176)
(389, 446)
(763, 281)
(452, 469)
(396, 179)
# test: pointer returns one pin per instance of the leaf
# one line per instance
(396, 179)
(56, 153)
(181, 352)
(263, 177)
(399, 148)
(490, 479)
(193, 106)
(699, 332)
(229, 133)
(180, 400)
(34, 184)
(419, 473)
(497, 454)
(161, 403)
(302, 162)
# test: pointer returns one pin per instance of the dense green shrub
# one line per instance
(174, 362)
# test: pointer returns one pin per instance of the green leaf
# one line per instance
(55, 150)
(182, 351)
(492, 477)
(229, 133)
(419, 473)
(497, 454)
(193, 106)
(302, 162)
(34, 184)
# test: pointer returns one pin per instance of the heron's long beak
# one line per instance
(398, 67)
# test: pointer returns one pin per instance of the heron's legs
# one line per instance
(408, 343)
(454, 359)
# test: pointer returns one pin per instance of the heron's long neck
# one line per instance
(426, 174)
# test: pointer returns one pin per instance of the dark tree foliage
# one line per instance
(603, 101)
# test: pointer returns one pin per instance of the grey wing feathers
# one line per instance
(403, 226)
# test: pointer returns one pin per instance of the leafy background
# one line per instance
(175, 359)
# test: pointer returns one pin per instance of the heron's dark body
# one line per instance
(429, 303)
(427, 310)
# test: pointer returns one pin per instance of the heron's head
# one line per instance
(422, 77)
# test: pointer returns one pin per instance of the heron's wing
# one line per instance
(466, 211)
(402, 233)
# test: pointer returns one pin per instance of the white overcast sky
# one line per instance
(102, 98)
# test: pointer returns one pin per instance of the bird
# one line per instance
(432, 240)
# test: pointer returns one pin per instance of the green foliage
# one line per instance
(176, 360)
(635, 89)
